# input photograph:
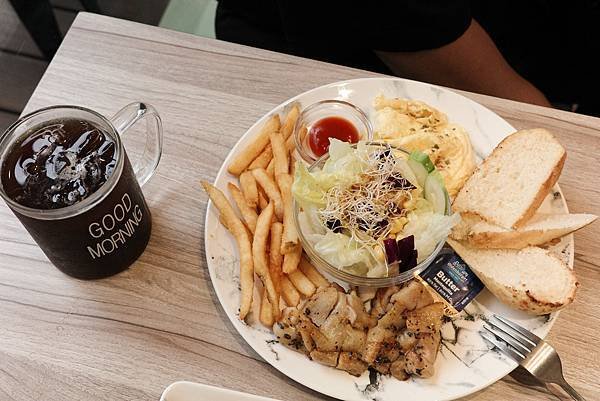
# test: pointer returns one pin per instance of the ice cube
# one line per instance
(63, 166)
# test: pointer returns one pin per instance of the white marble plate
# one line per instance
(465, 364)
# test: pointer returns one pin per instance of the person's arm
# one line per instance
(472, 63)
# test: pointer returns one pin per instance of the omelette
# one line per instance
(414, 125)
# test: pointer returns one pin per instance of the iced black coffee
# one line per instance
(71, 184)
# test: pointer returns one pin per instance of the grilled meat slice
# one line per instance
(381, 302)
(427, 319)
(397, 369)
(387, 328)
(306, 328)
(329, 358)
(319, 340)
(407, 298)
(394, 318)
(389, 352)
(384, 294)
(354, 340)
(359, 318)
(351, 363)
(406, 340)
(334, 327)
(412, 296)
(286, 329)
(319, 306)
(366, 293)
(375, 339)
(421, 358)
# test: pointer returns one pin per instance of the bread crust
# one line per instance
(522, 298)
(528, 302)
(508, 240)
(513, 239)
(525, 300)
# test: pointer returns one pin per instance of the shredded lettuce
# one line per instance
(306, 188)
(341, 168)
(342, 156)
(340, 250)
(310, 225)
(428, 228)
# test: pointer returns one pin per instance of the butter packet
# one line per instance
(450, 280)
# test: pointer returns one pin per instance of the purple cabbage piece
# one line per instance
(402, 251)
(407, 254)
(405, 247)
(411, 262)
(391, 250)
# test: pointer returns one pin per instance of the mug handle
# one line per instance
(145, 166)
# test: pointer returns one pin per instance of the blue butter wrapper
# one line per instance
(452, 279)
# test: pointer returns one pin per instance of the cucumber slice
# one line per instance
(436, 174)
(422, 158)
(419, 170)
(435, 192)
(407, 172)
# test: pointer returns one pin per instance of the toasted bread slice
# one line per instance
(531, 279)
(540, 229)
(509, 186)
(461, 230)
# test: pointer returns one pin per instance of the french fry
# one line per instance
(290, 234)
(255, 148)
(266, 311)
(302, 283)
(262, 199)
(271, 173)
(270, 188)
(275, 256)
(292, 165)
(290, 294)
(280, 155)
(238, 230)
(290, 121)
(262, 160)
(259, 253)
(312, 273)
(271, 167)
(256, 300)
(248, 214)
(224, 223)
(290, 142)
(291, 260)
(249, 188)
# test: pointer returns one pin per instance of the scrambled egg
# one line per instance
(414, 125)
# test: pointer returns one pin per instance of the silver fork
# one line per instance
(534, 354)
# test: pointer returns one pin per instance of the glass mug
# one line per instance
(104, 232)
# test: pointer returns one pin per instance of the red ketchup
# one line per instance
(330, 127)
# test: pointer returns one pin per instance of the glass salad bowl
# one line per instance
(339, 275)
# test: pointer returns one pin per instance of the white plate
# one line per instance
(189, 391)
(465, 364)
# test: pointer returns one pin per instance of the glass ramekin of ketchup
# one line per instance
(327, 119)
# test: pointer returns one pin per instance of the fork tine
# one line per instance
(528, 335)
(507, 338)
(506, 350)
